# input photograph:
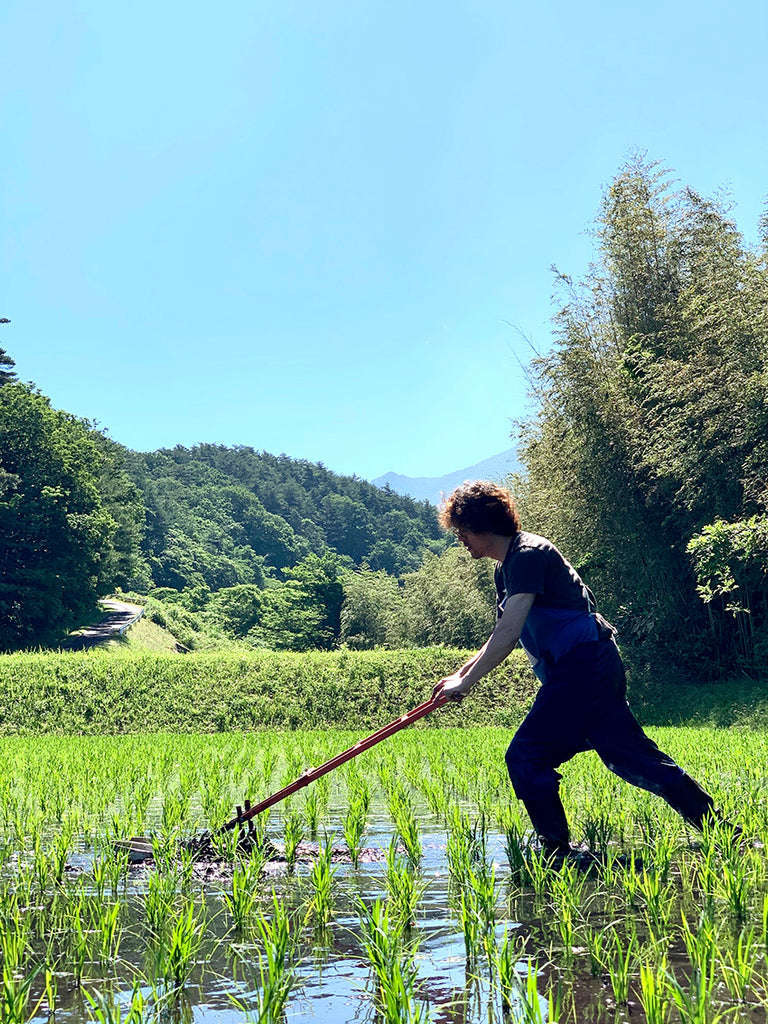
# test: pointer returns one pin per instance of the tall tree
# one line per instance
(652, 408)
(7, 374)
(54, 529)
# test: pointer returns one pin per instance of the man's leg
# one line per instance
(625, 749)
(551, 734)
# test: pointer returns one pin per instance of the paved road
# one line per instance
(119, 614)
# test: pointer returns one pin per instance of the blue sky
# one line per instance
(324, 229)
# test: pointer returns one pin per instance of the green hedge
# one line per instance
(111, 692)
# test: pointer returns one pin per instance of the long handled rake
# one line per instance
(141, 849)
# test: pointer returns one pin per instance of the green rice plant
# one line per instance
(399, 1002)
(158, 902)
(695, 1000)
(109, 1010)
(100, 875)
(60, 850)
(392, 963)
(322, 875)
(108, 932)
(655, 997)
(404, 818)
(225, 844)
(293, 835)
(354, 826)
(312, 810)
(403, 889)
(241, 900)
(595, 940)
(276, 974)
(528, 1008)
(739, 965)
(177, 952)
(16, 996)
(15, 936)
(598, 830)
(506, 956)
(516, 852)
(175, 810)
(736, 871)
(701, 943)
(565, 892)
(659, 899)
(79, 944)
(622, 960)
(467, 846)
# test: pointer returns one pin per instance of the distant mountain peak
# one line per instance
(433, 488)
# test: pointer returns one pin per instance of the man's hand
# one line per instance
(455, 687)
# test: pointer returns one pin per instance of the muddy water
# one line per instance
(334, 975)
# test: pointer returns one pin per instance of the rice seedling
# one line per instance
(595, 940)
(529, 1007)
(240, 901)
(354, 826)
(392, 964)
(312, 810)
(506, 957)
(659, 899)
(176, 953)
(16, 997)
(110, 1009)
(739, 966)
(158, 902)
(275, 974)
(293, 825)
(622, 962)
(515, 848)
(404, 818)
(404, 890)
(322, 876)
(108, 931)
(565, 892)
(654, 995)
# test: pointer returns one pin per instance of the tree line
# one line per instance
(647, 454)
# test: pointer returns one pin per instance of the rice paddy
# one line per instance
(400, 888)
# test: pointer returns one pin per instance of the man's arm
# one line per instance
(498, 646)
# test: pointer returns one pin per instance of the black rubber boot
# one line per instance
(550, 824)
(690, 801)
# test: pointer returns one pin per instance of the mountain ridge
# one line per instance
(432, 488)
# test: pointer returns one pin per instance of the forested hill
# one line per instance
(218, 516)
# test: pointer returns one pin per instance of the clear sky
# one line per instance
(307, 227)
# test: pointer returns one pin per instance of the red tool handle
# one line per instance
(436, 701)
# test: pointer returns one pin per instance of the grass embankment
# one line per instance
(109, 692)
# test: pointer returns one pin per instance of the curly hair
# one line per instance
(482, 507)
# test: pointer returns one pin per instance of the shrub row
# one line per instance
(98, 692)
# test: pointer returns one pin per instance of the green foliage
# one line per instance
(227, 516)
(653, 408)
(449, 599)
(236, 609)
(303, 612)
(7, 373)
(111, 692)
(65, 535)
(731, 565)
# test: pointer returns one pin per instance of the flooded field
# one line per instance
(401, 887)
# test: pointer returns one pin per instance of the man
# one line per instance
(581, 703)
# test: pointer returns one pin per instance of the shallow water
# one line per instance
(334, 977)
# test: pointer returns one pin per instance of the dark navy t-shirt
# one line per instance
(561, 616)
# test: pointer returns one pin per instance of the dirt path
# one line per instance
(119, 616)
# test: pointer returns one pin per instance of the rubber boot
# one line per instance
(690, 801)
(550, 824)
